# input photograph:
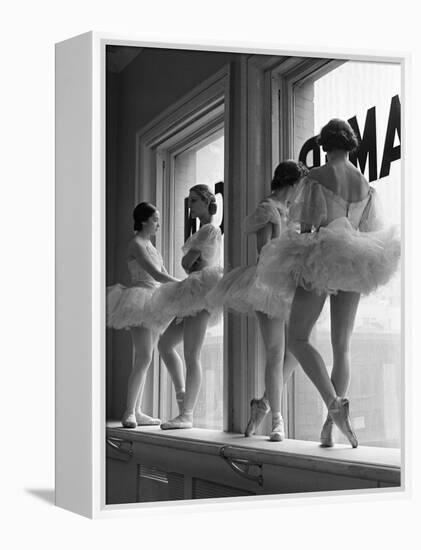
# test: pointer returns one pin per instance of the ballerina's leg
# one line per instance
(343, 310)
(143, 343)
(290, 363)
(166, 346)
(194, 335)
(273, 335)
(272, 331)
(306, 309)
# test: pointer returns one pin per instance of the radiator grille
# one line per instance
(157, 485)
(208, 489)
(152, 473)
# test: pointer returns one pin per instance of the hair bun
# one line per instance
(287, 173)
(212, 207)
(337, 134)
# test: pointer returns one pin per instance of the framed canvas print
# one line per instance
(230, 275)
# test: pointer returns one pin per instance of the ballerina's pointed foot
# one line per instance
(258, 410)
(143, 419)
(339, 412)
(180, 422)
(278, 429)
(326, 435)
(129, 420)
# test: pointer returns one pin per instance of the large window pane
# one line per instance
(202, 163)
(351, 91)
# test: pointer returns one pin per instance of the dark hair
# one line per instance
(142, 213)
(337, 134)
(287, 173)
(205, 194)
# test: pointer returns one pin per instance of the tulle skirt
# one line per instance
(185, 298)
(337, 257)
(128, 306)
(241, 291)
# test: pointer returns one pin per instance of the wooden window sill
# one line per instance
(379, 465)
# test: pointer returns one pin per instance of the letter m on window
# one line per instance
(367, 144)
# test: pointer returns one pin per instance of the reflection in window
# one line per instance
(349, 91)
(202, 163)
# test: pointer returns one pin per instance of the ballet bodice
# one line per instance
(267, 211)
(316, 205)
(138, 275)
(208, 241)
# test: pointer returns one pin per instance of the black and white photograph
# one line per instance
(253, 214)
(210, 275)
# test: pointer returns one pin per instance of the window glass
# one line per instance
(367, 95)
(202, 163)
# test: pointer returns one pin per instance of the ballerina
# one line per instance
(343, 251)
(127, 308)
(239, 290)
(185, 303)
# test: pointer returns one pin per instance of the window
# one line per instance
(183, 146)
(367, 95)
(187, 145)
(202, 162)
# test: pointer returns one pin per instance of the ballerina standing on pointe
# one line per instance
(342, 251)
(240, 291)
(185, 304)
(127, 308)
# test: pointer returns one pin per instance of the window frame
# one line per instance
(198, 113)
(165, 158)
(266, 133)
(285, 77)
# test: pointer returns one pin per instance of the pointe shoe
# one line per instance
(180, 422)
(326, 435)
(129, 421)
(143, 419)
(278, 430)
(258, 410)
(339, 413)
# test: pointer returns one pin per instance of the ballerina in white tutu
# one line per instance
(343, 251)
(239, 290)
(128, 308)
(185, 303)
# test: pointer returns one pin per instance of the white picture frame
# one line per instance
(80, 265)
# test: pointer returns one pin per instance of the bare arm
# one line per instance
(191, 261)
(263, 236)
(142, 256)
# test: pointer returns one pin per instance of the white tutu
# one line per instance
(185, 298)
(337, 257)
(241, 291)
(127, 306)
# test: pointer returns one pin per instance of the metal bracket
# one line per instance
(117, 445)
(242, 466)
